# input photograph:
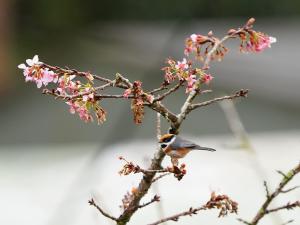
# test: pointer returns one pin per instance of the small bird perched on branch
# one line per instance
(177, 147)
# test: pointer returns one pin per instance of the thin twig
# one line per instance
(241, 93)
(190, 212)
(244, 221)
(93, 203)
(175, 88)
(221, 202)
(158, 127)
(160, 176)
(156, 198)
(97, 96)
(286, 206)
(75, 72)
(288, 222)
(267, 189)
(154, 91)
(290, 189)
(205, 91)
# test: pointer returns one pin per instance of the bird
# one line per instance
(177, 147)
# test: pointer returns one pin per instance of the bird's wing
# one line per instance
(182, 143)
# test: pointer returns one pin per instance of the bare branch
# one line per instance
(287, 206)
(164, 111)
(222, 202)
(290, 189)
(241, 93)
(190, 212)
(282, 174)
(288, 222)
(160, 176)
(97, 96)
(244, 221)
(205, 91)
(158, 127)
(62, 71)
(154, 91)
(263, 211)
(93, 203)
(175, 88)
(267, 189)
(101, 96)
(156, 198)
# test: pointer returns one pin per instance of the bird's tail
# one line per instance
(204, 148)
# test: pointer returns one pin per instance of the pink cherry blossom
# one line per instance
(182, 65)
(169, 77)
(88, 97)
(73, 106)
(207, 78)
(265, 42)
(65, 84)
(191, 80)
(34, 73)
(194, 37)
(150, 98)
(33, 61)
(84, 114)
(82, 110)
(127, 92)
(188, 50)
(256, 42)
(48, 76)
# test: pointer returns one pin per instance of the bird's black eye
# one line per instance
(167, 139)
(163, 145)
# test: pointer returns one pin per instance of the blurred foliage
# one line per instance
(76, 13)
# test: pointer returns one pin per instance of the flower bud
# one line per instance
(231, 31)
(250, 22)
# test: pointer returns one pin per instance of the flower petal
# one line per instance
(22, 66)
(35, 59)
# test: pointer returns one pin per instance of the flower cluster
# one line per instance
(222, 202)
(128, 167)
(196, 42)
(84, 105)
(137, 104)
(179, 172)
(253, 41)
(33, 72)
(128, 197)
(81, 97)
(182, 70)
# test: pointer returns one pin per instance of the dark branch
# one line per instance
(190, 212)
(93, 203)
(241, 93)
(175, 88)
(287, 206)
(267, 189)
(221, 202)
(154, 91)
(155, 198)
(263, 211)
(160, 176)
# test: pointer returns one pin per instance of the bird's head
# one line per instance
(166, 140)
